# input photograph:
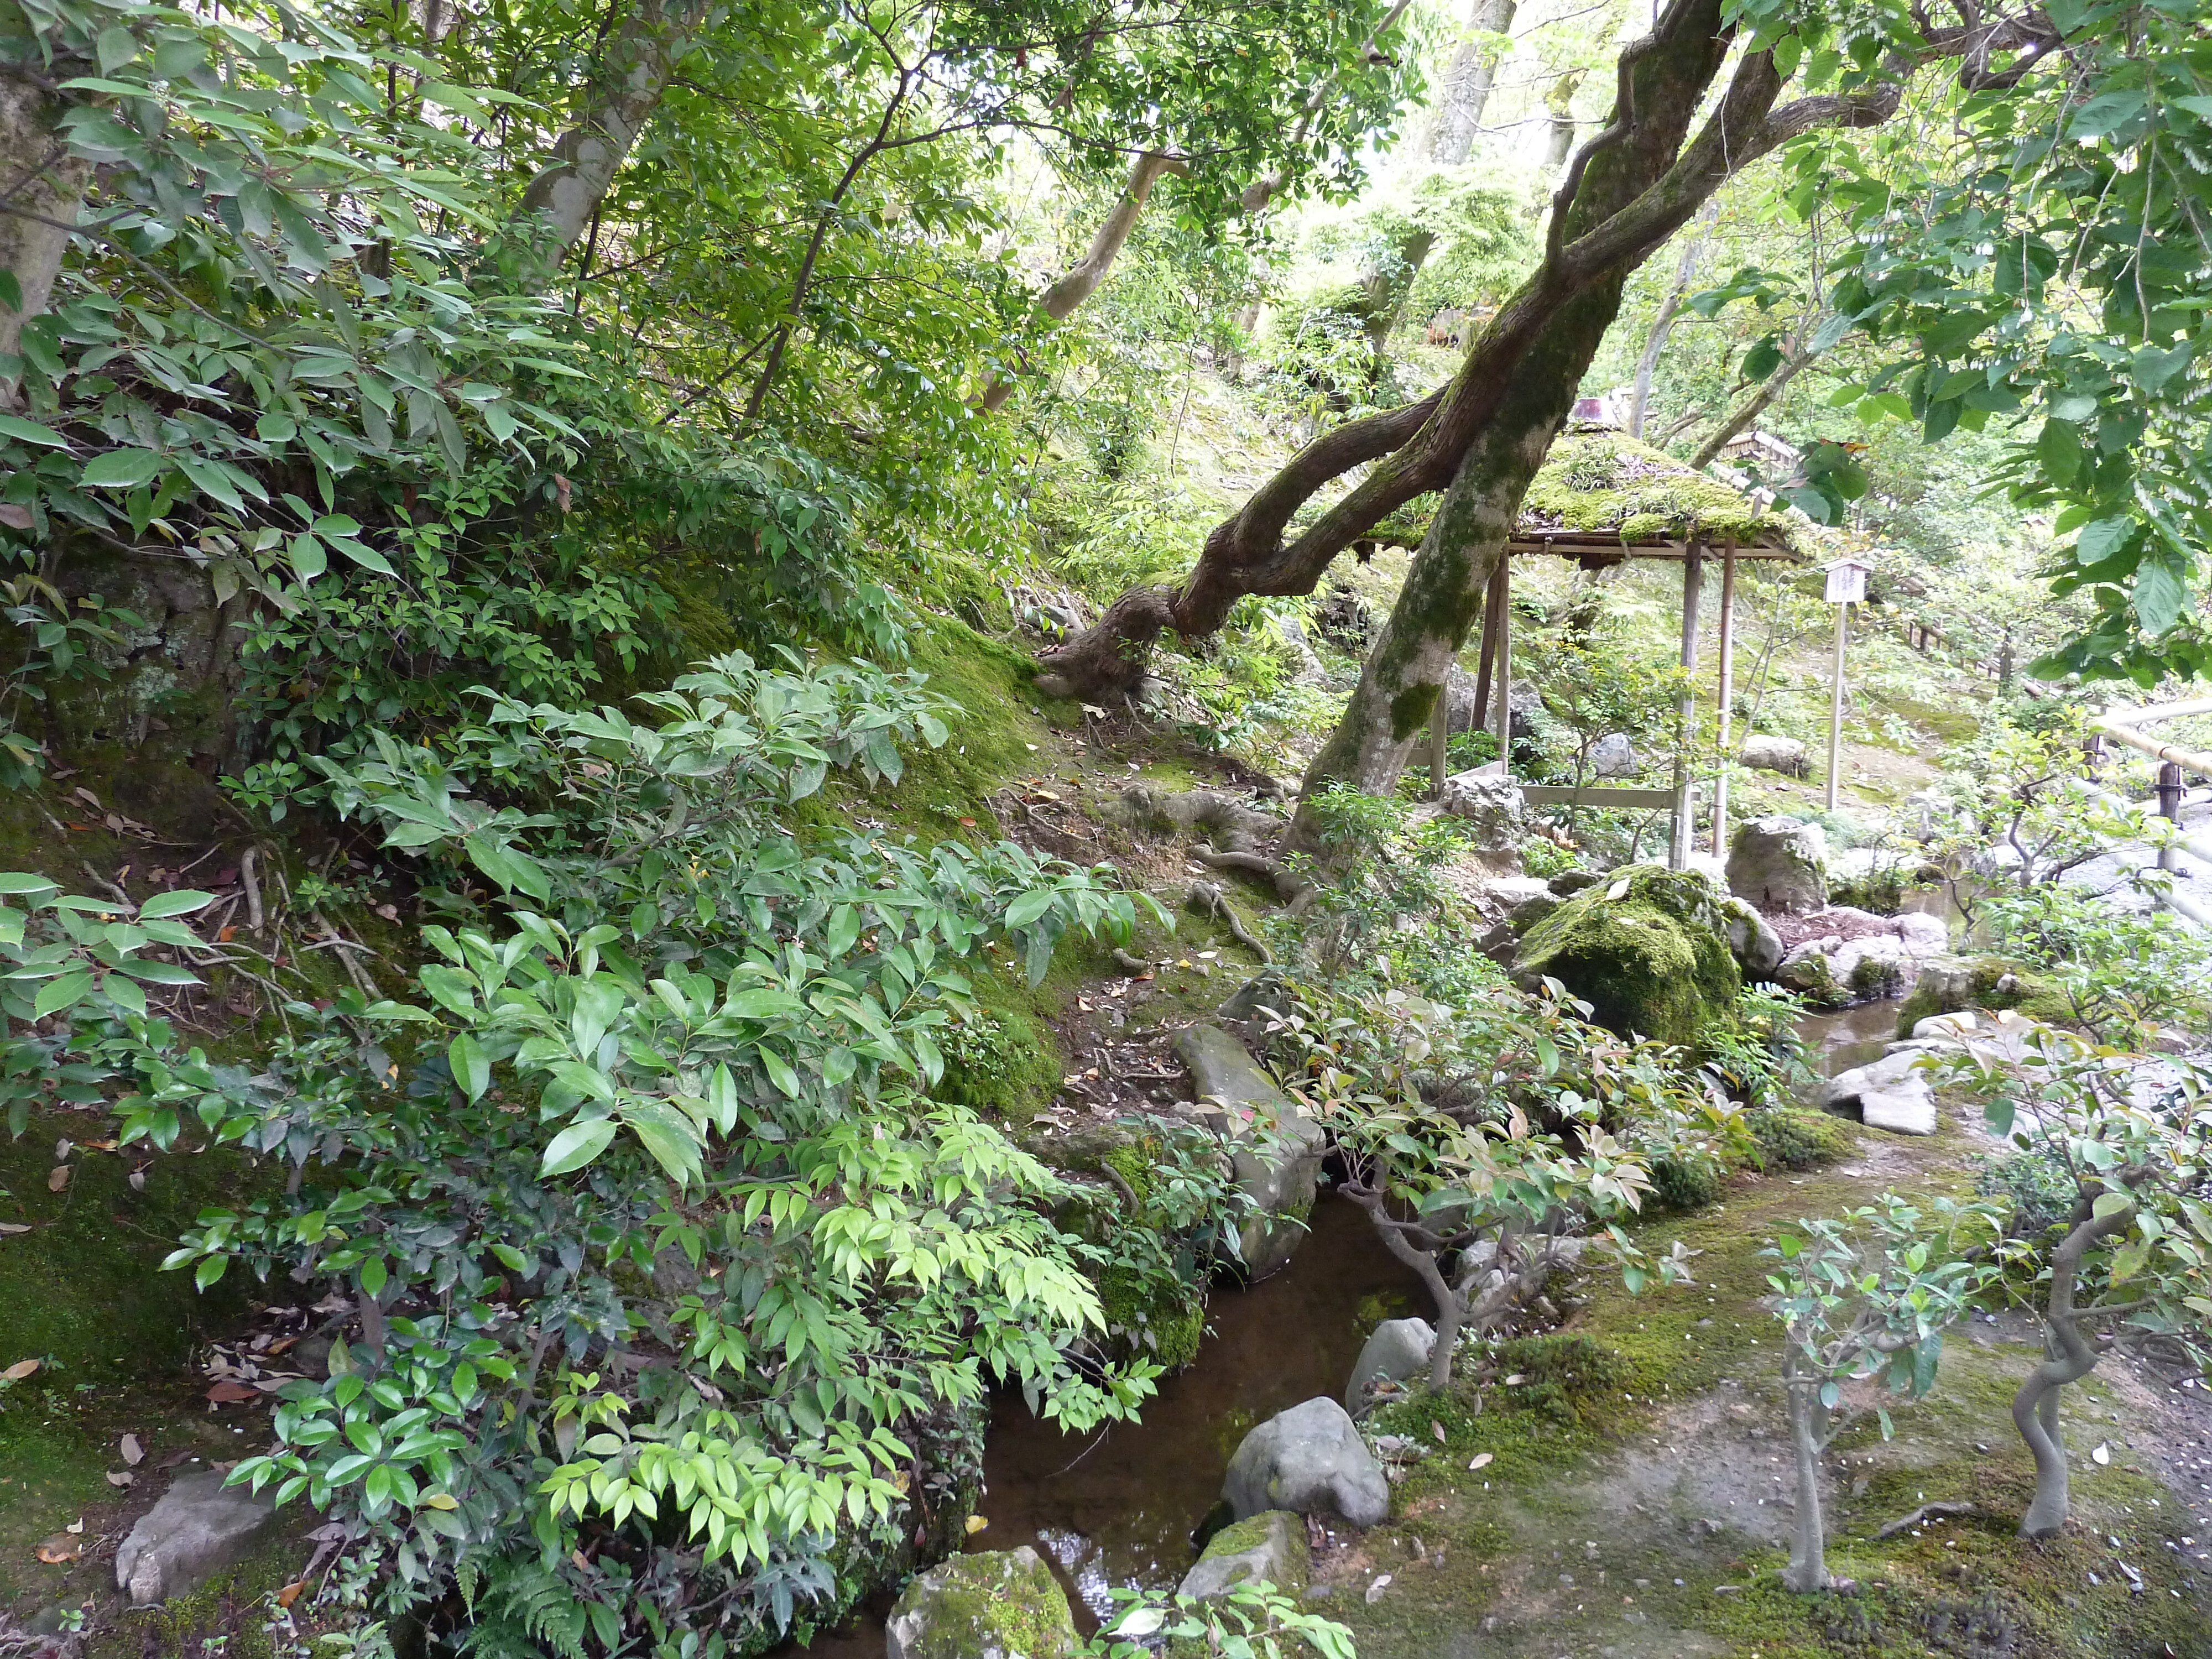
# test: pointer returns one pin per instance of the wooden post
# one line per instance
(1440, 735)
(1836, 703)
(1488, 661)
(1503, 726)
(1678, 852)
(1726, 693)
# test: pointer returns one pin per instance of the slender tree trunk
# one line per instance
(1809, 1561)
(641, 57)
(2067, 1358)
(42, 187)
(1385, 282)
(1753, 407)
(1559, 137)
(1083, 278)
(1655, 343)
(1467, 82)
(1451, 1306)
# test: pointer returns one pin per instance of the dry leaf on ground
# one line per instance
(59, 1548)
(58, 1178)
(226, 1393)
(19, 1370)
(133, 1453)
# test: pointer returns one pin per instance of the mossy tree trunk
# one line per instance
(1630, 188)
(44, 186)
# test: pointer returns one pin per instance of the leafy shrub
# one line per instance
(2037, 1185)
(650, 1222)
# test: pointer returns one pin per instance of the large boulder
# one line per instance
(1614, 756)
(199, 1529)
(1779, 864)
(1268, 1548)
(1950, 984)
(1492, 805)
(1399, 1348)
(1000, 1604)
(1311, 1459)
(1648, 950)
(1752, 937)
(1783, 755)
(1893, 1093)
(1864, 957)
(1275, 1144)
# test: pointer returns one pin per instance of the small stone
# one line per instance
(199, 1528)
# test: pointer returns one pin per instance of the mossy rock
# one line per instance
(1269, 1548)
(1598, 480)
(1000, 1604)
(1648, 950)
(1798, 1139)
(1951, 985)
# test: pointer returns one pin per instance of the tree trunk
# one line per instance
(1385, 282)
(43, 185)
(1753, 407)
(1450, 1304)
(1809, 1562)
(1467, 83)
(1632, 186)
(641, 57)
(1559, 138)
(1655, 343)
(1083, 278)
(2067, 1358)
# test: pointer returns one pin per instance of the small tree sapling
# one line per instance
(2134, 1137)
(1872, 1291)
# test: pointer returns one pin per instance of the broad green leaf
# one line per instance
(577, 1145)
(121, 469)
(471, 1071)
(182, 903)
(30, 432)
(57, 994)
(2160, 595)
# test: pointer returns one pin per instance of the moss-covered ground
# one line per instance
(1623, 1486)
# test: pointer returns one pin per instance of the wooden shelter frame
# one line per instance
(1596, 550)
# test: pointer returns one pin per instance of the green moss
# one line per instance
(997, 1062)
(1608, 481)
(991, 1602)
(1152, 1316)
(1653, 961)
(1798, 1139)
(1985, 987)
(228, 1615)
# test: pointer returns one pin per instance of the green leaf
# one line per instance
(115, 47)
(668, 1134)
(367, 557)
(2153, 369)
(308, 559)
(577, 1145)
(2160, 595)
(182, 903)
(2111, 1204)
(121, 469)
(210, 1270)
(19, 881)
(2101, 537)
(372, 1275)
(470, 1069)
(1028, 907)
(57, 994)
(30, 432)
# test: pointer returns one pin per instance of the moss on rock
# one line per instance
(1000, 1604)
(1950, 985)
(1608, 481)
(1648, 950)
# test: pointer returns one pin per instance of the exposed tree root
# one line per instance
(1209, 900)
(1925, 1512)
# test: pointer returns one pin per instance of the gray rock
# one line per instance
(1614, 756)
(1758, 947)
(1275, 1146)
(199, 1529)
(1493, 804)
(1892, 1093)
(1568, 883)
(1783, 755)
(1776, 863)
(1268, 1548)
(1399, 1348)
(1309, 1459)
(999, 1604)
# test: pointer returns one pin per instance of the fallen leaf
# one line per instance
(226, 935)
(976, 1524)
(1375, 1590)
(59, 1548)
(290, 1593)
(229, 1393)
(1482, 1460)
(2103, 1453)
(76, 1525)
(120, 1477)
(58, 1178)
(389, 912)
(1516, 1380)
(62, 1150)
(10, 1228)
(966, 823)
(133, 1453)
(138, 1179)
(19, 1370)
(1438, 1429)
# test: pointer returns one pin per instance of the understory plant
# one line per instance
(665, 1294)
(1505, 1125)
(2126, 1141)
(1869, 1292)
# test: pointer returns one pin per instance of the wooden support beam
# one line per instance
(1726, 694)
(1504, 604)
(1560, 794)
(1685, 712)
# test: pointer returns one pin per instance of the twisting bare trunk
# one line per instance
(1655, 343)
(641, 55)
(42, 187)
(1467, 82)
(2068, 1357)
(1809, 1561)
(1082, 278)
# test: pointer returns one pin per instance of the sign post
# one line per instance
(1847, 580)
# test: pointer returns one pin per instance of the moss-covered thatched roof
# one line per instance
(1601, 482)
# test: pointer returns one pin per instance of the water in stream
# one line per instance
(1118, 1508)
(1849, 1036)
